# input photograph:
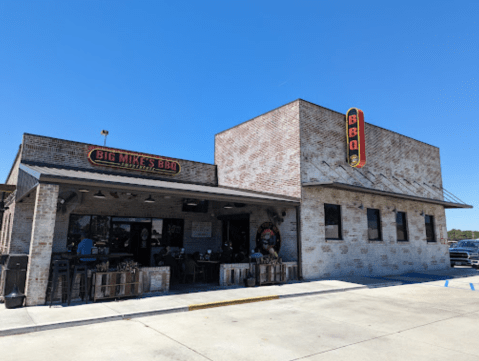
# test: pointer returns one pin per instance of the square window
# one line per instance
(374, 225)
(430, 236)
(332, 221)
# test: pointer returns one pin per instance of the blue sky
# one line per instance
(164, 77)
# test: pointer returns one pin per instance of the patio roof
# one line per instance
(94, 179)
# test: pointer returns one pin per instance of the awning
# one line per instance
(95, 179)
(356, 188)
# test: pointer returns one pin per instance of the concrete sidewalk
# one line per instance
(40, 318)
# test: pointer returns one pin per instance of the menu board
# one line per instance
(201, 230)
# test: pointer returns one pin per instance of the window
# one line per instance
(401, 226)
(430, 236)
(172, 233)
(100, 229)
(78, 225)
(156, 232)
(374, 225)
(120, 237)
(332, 221)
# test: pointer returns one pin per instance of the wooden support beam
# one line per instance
(7, 188)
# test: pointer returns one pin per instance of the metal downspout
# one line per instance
(298, 236)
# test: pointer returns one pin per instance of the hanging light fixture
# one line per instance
(83, 190)
(99, 195)
(228, 206)
(149, 199)
(191, 202)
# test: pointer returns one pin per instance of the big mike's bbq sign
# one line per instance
(355, 138)
(114, 158)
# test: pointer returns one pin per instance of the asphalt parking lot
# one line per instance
(436, 319)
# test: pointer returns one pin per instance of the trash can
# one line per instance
(15, 274)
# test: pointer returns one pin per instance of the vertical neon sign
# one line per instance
(355, 138)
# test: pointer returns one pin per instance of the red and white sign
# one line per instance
(108, 157)
(355, 138)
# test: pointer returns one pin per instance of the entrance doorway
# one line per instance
(236, 232)
(135, 238)
(140, 243)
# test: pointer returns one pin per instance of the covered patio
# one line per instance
(145, 220)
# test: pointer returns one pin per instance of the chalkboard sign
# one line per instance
(173, 230)
(201, 229)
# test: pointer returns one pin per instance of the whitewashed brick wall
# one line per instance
(262, 154)
(355, 254)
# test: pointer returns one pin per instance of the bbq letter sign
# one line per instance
(355, 138)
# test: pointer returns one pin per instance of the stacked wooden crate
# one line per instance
(116, 285)
(267, 274)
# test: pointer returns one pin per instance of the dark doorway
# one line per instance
(236, 231)
(141, 243)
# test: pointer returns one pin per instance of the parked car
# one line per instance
(465, 253)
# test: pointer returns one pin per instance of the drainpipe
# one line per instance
(298, 236)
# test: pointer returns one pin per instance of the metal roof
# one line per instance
(94, 179)
(356, 188)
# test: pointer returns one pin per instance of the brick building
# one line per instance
(281, 169)
(387, 217)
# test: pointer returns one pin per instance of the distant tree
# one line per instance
(457, 234)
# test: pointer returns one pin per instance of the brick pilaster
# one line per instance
(41, 243)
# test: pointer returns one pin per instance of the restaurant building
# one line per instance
(290, 174)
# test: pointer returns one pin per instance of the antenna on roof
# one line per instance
(105, 133)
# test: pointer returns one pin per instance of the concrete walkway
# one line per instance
(40, 318)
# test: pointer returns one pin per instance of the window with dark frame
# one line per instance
(172, 233)
(78, 224)
(114, 232)
(374, 225)
(332, 221)
(401, 227)
(430, 236)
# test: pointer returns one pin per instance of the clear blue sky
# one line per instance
(164, 77)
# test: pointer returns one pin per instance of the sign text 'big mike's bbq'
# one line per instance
(114, 158)
(355, 138)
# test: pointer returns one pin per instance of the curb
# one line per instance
(87, 321)
(194, 307)
(202, 306)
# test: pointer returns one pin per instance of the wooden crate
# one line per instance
(270, 274)
(115, 285)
